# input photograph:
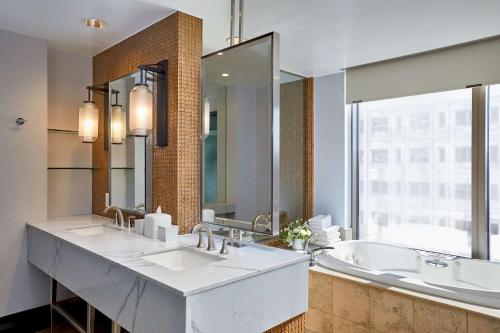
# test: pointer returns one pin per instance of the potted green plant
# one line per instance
(296, 233)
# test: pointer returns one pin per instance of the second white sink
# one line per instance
(178, 260)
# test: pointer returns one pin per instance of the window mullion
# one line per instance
(479, 173)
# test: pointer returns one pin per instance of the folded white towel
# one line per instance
(327, 235)
(330, 229)
(322, 221)
(325, 243)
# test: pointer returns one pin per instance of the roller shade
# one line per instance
(445, 69)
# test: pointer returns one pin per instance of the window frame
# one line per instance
(480, 237)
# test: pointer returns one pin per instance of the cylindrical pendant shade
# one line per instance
(118, 124)
(88, 118)
(141, 110)
(206, 119)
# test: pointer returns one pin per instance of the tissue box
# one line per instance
(208, 215)
(155, 220)
(168, 234)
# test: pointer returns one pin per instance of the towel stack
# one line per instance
(324, 233)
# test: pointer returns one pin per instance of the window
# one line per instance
(494, 171)
(380, 187)
(462, 154)
(462, 191)
(380, 125)
(441, 155)
(442, 119)
(420, 121)
(419, 190)
(380, 156)
(420, 155)
(442, 190)
(463, 118)
(394, 216)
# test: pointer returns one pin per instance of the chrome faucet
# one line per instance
(312, 253)
(204, 227)
(118, 216)
(257, 218)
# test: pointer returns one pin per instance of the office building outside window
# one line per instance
(418, 169)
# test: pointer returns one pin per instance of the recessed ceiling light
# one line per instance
(94, 23)
(220, 53)
(224, 75)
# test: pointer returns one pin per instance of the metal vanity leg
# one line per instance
(115, 327)
(90, 318)
(55, 307)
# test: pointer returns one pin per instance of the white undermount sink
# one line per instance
(181, 259)
(91, 230)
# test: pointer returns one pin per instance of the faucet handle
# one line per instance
(224, 249)
(201, 243)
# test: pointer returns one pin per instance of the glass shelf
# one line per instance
(71, 168)
(61, 131)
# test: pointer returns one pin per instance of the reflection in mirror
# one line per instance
(128, 153)
(238, 89)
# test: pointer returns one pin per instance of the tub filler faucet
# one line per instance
(313, 252)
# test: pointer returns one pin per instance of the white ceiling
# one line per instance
(318, 37)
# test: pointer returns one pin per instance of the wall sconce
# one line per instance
(141, 103)
(206, 118)
(88, 117)
(118, 121)
(141, 108)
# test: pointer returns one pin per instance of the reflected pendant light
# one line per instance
(206, 119)
(141, 108)
(88, 119)
(118, 121)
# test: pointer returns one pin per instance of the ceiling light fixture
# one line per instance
(93, 23)
(224, 75)
(220, 53)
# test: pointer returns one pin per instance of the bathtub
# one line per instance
(466, 280)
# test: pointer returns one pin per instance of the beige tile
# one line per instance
(482, 324)
(318, 321)
(434, 317)
(390, 312)
(351, 301)
(320, 291)
(344, 326)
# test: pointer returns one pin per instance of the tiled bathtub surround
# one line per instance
(344, 304)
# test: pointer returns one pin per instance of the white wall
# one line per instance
(69, 191)
(23, 169)
(331, 149)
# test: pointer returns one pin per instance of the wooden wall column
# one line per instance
(176, 168)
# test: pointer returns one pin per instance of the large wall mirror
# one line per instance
(129, 155)
(240, 129)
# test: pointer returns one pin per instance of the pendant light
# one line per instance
(118, 121)
(206, 118)
(88, 119)
(141, 108)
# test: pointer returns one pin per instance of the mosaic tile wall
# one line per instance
(176, 174)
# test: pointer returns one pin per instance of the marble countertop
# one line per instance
(125, 248)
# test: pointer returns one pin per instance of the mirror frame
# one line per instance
(148, 146)
(275, 129)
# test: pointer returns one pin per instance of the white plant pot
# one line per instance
(298, 244)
